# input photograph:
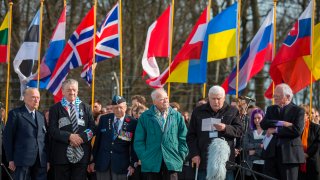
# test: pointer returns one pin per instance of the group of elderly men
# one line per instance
(158, 140)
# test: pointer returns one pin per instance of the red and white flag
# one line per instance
(157, 43)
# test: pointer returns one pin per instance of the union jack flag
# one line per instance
(107, 41)
(77, 52)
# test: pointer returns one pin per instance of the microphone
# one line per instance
(247, 98)
(218, 155)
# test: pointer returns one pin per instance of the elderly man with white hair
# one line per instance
(284, 122)
(160, 139)
(208, 121)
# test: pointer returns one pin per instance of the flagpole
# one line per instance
(8, 59)
(93, 52)
(238, 47)
(208, 19)
(312, 51)
(39, 48)
(120, 47)
(274, 39)
(170, 45)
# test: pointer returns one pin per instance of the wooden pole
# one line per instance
(238, 47)
(8, 59)
(93, 52)
(40, 39)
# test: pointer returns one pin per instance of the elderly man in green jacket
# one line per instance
(160, 139)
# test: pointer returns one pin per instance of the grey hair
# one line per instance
(217, 90)
(69, 82)
(287, 91)
(27, 89)
(155, 92)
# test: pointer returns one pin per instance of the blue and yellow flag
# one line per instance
(220, 39)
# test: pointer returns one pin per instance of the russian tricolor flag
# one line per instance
(252, 61)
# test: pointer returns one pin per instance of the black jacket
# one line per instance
(115, 153)
(287, 139)
(199, 141)
(313, 161)
(60, 136)
(24, 138)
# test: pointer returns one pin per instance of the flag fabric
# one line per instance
(220, 38)
(25, 62)
(185, 67)
(4, 32)
(290, 65)
(107, 42)
(77, 52)
(252, 61)
(157, 43)
(52, 54)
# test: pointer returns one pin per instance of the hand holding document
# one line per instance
(208, 124)
(266, 141)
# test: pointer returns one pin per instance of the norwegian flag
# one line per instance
(107, 41)
(77, 52)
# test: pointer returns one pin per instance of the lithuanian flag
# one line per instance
(4, 31)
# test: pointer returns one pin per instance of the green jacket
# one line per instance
(151, 145)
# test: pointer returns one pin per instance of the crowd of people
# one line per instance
(119, 142)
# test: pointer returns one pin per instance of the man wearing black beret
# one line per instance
(113, 153)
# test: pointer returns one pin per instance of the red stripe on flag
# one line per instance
(3, 52)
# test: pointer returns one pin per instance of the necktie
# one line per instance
(74, 154)
(33, 115)
(73, 117)
(116, 126)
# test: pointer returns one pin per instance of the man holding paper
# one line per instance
(285, 121)
(211, 120)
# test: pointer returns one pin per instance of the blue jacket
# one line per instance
(24, 138)
(117, 154)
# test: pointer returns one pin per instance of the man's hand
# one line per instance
(287, 124)
(130, 170)
(252, 152)
(196, 161)
(90, 168)
(12, 166)
(261, 146)
(236, 152)
(306, 155)
(220, 126)
(48, 166)
(75, 140)
(271, 131)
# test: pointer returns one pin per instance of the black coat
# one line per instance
(313, 166)
(199, 141)
(59, 137)
(24, 138)
(287, 139)
(117, 154)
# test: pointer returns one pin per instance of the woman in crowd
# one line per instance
(310, 142)
(253, 145)
(137, 110)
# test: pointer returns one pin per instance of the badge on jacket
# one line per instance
(64, 122)
(124, 134)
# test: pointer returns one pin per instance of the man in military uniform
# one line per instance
(113, 152)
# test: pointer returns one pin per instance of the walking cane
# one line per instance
(197, 169)
(196, 176)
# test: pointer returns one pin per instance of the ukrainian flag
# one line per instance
(220, 39)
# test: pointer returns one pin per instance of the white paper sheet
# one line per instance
(207, 124)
